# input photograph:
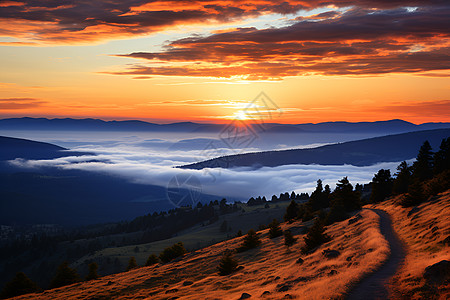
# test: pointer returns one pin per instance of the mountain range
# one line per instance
(390, 126)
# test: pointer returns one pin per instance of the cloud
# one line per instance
(358, 42)
(87, 21)
(20, 103)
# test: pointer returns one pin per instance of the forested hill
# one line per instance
(365, 152)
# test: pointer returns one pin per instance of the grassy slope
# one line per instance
(272, 268)
(422, 233)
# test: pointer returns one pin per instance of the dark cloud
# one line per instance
(83, 20)
(358, 42)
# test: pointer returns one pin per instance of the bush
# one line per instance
(251, 241)
(227, 264)
(275, 229)
(19, 285)
(289, 239)
(172, 252)
(337, 213)
(132, 264)
(415, 195)
(93, 267)
(64, 276)
(291, 211)
(151, 260)
(315, 237)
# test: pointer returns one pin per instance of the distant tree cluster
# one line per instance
(283, 197)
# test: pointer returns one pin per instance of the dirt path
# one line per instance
(374, 286)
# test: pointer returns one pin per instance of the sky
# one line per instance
(205, 61)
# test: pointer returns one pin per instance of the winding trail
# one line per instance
(374, 286)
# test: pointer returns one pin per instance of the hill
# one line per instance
(365, 152)
(12, 148)
(273, 271)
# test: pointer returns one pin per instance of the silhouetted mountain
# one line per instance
(12, 148)
(365, 152)
(386, 127)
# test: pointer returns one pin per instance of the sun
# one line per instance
(240, 115)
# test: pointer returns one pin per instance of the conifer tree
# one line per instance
(251, 241)
(275, 229)
(228, 264)
(93, 267)
(291, 211)
(315, 236)
(65, 275)
(151, 260)
(381, 186)
(132, 264)
(19, 285)
(423, 166)
(289, 239)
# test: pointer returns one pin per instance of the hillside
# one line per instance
(365, 152)
(12, 148)
(271, 270)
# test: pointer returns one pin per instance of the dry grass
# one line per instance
(271, 268)
(422, 232)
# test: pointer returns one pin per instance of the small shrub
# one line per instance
(337, 213)
(251, 241)
(172, 252)
(93, 267)
(275, 229)
(151, 260)
(415, 195)
(289, 239)
(19, 285)
(132, 264)
(227, 264)
(65, 275)
(239, 233)
(316, 236)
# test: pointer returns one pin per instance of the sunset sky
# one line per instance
(167, 61)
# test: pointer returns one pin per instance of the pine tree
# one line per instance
(275, 229)
(132, 264)
(176, 250)
(402, 178)
(344, 193)
(315, 236)
(423, 166)
(291, 211)
(251, 241)
(151, 260)
(381, 186)
(289, 239)
(227, 264)
(441, 159)
(19, 285)
(93, 267)
(64, 276)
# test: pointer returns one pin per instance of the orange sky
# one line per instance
(205, 61)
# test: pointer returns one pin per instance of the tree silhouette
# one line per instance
(93, 267)
(151, 260)
(251, 241)
(227, 264)
(381, 186)
(132, 264)
(289, 239)
(423, 166)
(172, 252)
(315, 237)
(403, 178)
(275, 229)
(441, 159)
(19, 285)
(344, 193)
(64, 276)
(291, 211)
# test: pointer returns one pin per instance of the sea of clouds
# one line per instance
(152, 159)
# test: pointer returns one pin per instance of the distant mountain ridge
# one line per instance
(364, 152)
(390, 126)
